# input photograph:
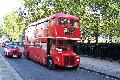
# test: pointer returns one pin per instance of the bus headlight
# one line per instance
(78, 59)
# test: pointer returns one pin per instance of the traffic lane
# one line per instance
(1, 49)
(29, 70)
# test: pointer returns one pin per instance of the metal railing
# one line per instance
(99, 50)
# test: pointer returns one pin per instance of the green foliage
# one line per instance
(13, 24)
(96, 16)
(1, 30)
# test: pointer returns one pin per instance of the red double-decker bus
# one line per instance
(50, 41)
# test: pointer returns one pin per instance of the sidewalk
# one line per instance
(103, 66)
(6, 71)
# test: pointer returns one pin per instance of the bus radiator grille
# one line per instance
(69, 60)
(72, 60)
(66, 60)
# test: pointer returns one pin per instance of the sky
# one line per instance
(8, 5)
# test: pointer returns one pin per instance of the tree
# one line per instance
(96, 16)
(1, 30)
(13, 24)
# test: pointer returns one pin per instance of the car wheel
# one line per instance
(50, 63)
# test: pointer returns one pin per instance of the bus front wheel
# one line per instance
(50, 63)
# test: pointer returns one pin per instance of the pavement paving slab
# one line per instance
(103, 66)
(6, 71)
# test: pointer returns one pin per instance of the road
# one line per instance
(29, 70)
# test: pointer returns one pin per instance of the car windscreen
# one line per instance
(13, 46)
(7, 41)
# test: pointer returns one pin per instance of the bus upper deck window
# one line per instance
(63, 21)
(74, 23)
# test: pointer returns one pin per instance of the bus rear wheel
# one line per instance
(50, 63)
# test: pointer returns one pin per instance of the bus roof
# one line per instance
(64, 15)
(54, 15)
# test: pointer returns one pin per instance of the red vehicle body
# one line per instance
(12, 50)
(50, 41)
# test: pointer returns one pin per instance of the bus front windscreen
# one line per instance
(63, 43)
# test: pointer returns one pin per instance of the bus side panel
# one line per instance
(77, 33)
(51, 31)
(32, 53)
(60, 31)
(35, 54)
(39, 55)
(42, 53)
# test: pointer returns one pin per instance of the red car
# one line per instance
(13, 50)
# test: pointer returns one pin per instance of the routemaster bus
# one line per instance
(50, 41)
